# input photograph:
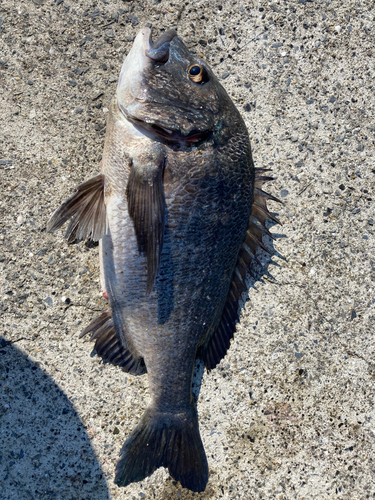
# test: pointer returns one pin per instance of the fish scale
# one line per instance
(179, 213)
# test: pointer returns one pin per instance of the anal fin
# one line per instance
(86, 209)
(109, 347)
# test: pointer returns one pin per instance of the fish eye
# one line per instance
(198, 74)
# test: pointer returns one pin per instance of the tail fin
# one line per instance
(169, 440)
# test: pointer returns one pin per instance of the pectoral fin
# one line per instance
(87, 211)
(146, 205)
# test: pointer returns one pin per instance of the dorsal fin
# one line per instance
(219, 342)
(87, 211)
(146, 205)
(108, 346)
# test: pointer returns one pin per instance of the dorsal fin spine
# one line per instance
(267, 213)
(219, 342)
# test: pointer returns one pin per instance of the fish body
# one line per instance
(179, 213)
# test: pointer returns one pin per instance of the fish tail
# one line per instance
(165, 440)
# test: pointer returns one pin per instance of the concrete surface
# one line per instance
(289, 413)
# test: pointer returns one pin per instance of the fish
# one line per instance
(179, 212)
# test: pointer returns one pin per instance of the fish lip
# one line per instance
(159, 51)
(136, 60)
(165, 37)
(164, 134)
(147, 40)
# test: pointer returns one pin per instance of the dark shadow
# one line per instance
(45, 452)
(90, 243)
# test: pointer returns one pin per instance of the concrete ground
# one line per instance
(289, 413)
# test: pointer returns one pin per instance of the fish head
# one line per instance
(168, 93)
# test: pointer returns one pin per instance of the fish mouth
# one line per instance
(164, 134)
(175, 136)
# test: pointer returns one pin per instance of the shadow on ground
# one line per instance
(41, 436)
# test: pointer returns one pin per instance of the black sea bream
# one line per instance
(179, 213)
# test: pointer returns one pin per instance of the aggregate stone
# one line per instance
(274, 424)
